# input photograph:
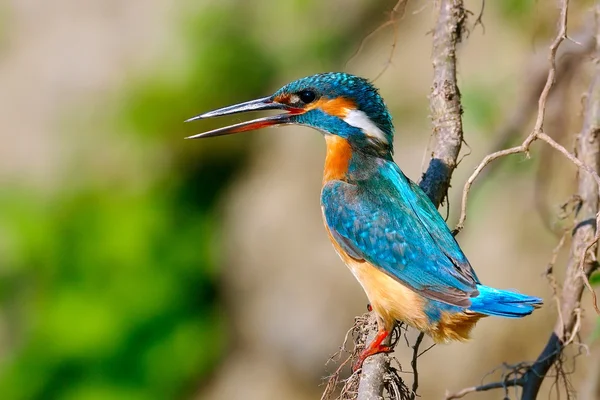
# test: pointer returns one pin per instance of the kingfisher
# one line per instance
(381, 224)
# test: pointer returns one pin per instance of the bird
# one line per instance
(381, 224)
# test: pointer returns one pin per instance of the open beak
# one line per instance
(266, 103)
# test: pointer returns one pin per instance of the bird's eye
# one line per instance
(307, 96)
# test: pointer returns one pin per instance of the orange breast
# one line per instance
(337, 159)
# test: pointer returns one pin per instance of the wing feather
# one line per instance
(389, 222)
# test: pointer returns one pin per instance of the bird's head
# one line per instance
(335, 103)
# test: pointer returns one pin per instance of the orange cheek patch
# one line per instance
(338, 107)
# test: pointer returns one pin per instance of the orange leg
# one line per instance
(374, 347)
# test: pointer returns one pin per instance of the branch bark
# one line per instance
(374, 368)
(445, 106)
(446, 112)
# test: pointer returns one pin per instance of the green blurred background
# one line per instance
(131, 260)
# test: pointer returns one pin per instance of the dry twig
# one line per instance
(568, 58)
(413, 364)
(394, 15)
(333, 379)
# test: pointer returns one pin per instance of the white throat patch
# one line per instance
(360, 120)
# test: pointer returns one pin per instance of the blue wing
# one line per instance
(388, 221)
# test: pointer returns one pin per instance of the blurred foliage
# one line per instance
(518, 10)
(111, 289)
(595, 281)
(212, 74)
(123, 293)
(480, 108)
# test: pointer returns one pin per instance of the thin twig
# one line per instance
(569, 58)
(413, 364)
(550, 272)
(483, 388)
(479, 19)
(396, 14)
(333, 379)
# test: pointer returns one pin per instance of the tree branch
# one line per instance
(413, 364)
(374, 368)
(582, 260)
(447, 139)
(446, 109)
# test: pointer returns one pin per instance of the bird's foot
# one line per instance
(375, 347)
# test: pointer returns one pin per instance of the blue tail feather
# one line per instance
(503, 303)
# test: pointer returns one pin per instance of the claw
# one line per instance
(375, 347)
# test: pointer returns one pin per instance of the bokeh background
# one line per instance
(137, 265)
